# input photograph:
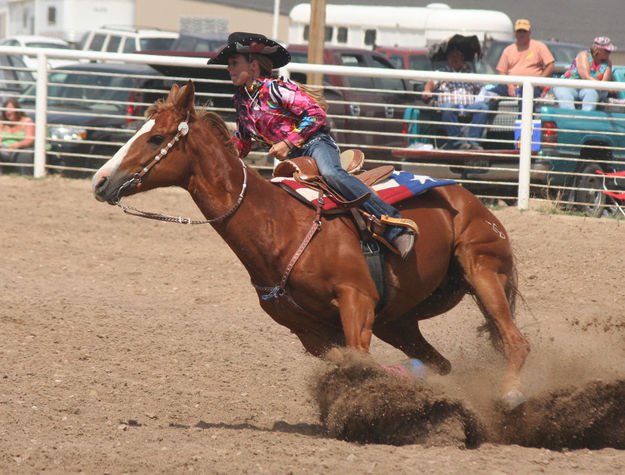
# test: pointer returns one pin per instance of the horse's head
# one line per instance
(151, 158)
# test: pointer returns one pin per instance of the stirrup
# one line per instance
(377, 228)
(401, 222)
(390, 245)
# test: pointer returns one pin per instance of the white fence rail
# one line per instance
(550, 154)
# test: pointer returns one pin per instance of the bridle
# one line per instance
(275, 292)
(183, 130)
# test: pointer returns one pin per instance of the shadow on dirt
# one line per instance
(360, 402)
(279, 426)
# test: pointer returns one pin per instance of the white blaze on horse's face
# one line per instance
(112, 165)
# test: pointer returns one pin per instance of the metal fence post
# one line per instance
(41, 107)
(525, 146)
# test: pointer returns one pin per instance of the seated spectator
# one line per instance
(525, 57)
(593, 64)
(17, 131)
(456, 97)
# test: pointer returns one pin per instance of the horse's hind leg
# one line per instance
(405, 335)
(489, 288)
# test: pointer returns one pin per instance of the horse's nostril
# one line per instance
(99, 187)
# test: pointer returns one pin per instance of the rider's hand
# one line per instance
(279, 150)
(512, 90)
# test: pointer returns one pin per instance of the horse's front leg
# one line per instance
(357, 309)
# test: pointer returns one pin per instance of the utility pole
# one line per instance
(36, 20)
(316, 38)
(276, 17)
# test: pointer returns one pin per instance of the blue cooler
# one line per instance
(535, 135)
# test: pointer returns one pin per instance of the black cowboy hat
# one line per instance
(245, 43)
(469, 46)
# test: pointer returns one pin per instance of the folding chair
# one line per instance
(616, 197)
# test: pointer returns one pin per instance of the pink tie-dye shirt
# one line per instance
(273, 110)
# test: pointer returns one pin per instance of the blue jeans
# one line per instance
(479, 117)
(502, 90)
(589, 97)
(327, 156)
(22, 156)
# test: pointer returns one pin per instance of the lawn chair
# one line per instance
(617, 198)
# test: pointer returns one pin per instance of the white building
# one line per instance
(67, 19)
(70, 19)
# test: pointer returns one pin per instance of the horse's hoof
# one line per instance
(513, 399)
(334, 355)
(444, 367)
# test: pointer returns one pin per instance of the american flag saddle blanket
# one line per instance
(400, 185)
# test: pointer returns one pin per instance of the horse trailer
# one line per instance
(414, 27)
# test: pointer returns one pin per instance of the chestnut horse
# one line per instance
(330, 298)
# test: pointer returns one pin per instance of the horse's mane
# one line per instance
(219, 127)
(212, 119)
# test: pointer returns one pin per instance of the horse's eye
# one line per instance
(156, 139)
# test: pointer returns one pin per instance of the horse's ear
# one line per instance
(186, 98)
(173, 92)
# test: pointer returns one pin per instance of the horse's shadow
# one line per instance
(314, 430)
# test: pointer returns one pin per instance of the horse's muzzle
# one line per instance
(109, 189)
(99, 189)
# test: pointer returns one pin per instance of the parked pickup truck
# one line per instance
(568, 148)
(577, 143)
(492, 171)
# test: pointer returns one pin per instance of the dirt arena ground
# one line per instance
(129, 345)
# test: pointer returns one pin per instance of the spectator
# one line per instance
(17, 131)
(457, 97)
(525, 57)
(593, 64)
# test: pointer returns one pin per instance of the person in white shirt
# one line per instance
(458, 97)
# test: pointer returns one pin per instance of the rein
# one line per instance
(280, 289)
(183, 129)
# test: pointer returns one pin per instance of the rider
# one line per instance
(292, 122)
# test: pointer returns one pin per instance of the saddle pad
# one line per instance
(399, 186)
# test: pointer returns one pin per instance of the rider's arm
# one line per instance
(310, 115)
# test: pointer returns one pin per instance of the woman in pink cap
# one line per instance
(593, 64)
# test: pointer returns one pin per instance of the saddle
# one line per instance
(304, 170)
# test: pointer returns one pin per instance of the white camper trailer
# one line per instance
(409, 27)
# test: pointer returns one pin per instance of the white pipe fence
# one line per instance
(527, 139)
